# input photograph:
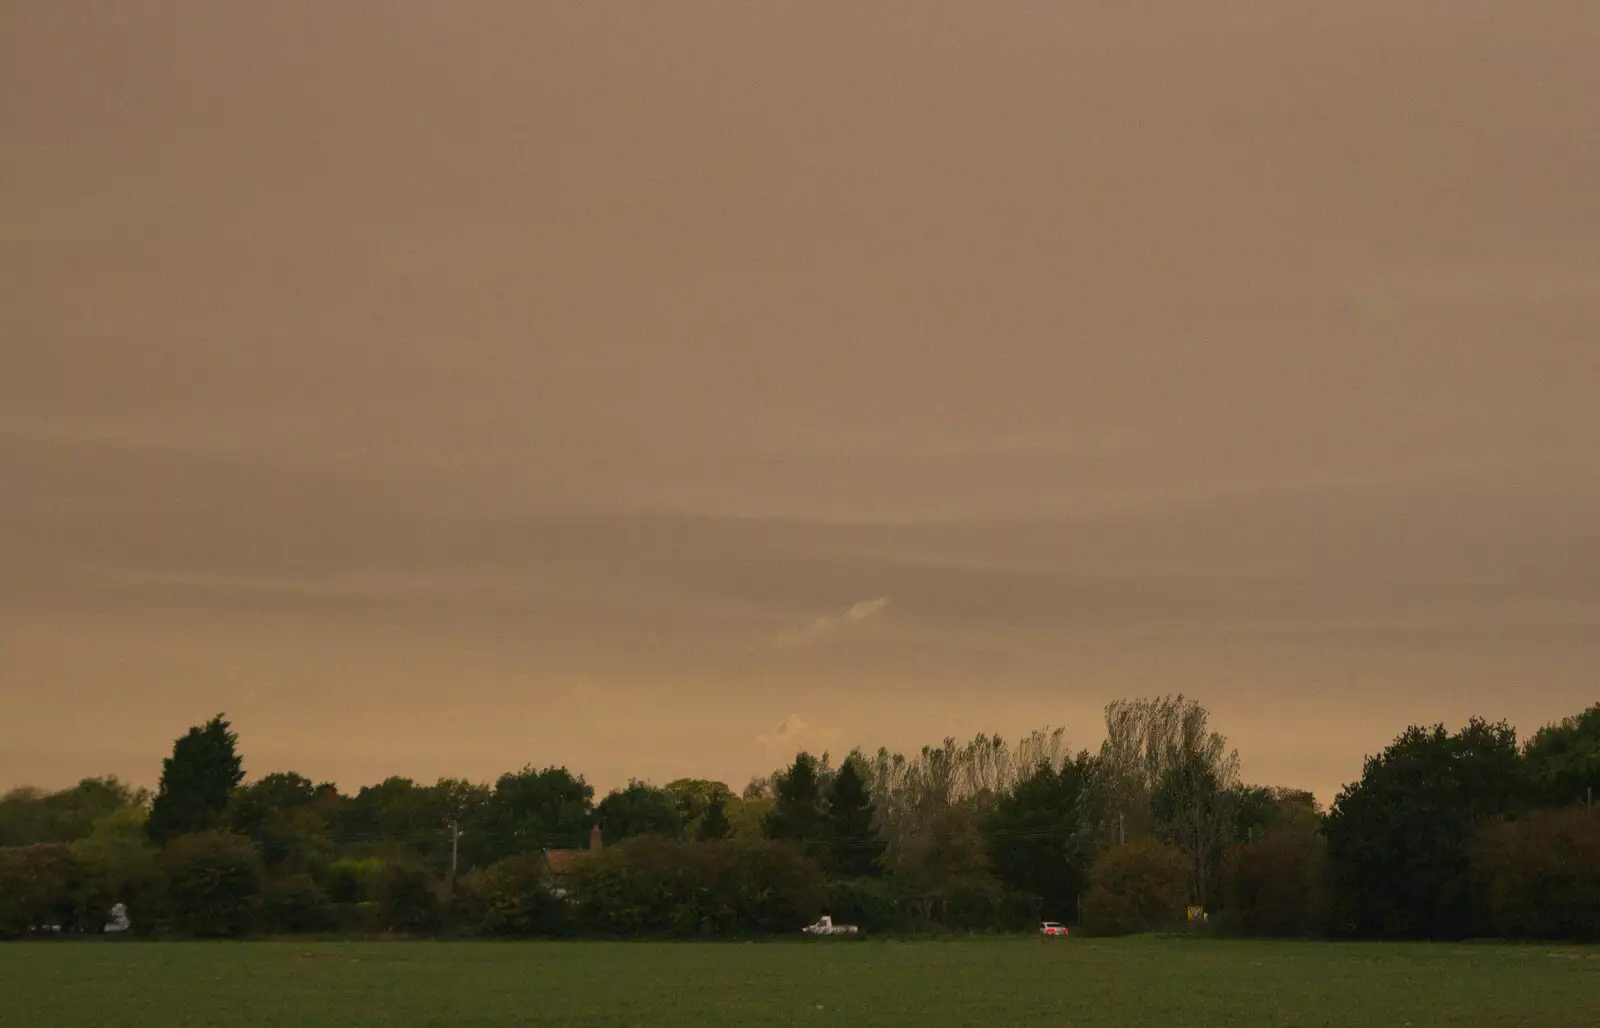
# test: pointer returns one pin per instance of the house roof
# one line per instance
(564, 862)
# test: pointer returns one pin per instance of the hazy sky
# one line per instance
(654, 388)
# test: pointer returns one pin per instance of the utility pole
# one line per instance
(455, 852)
(1122, 829)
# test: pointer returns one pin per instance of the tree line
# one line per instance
(1444, 835)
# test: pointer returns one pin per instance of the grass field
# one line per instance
(1079, 982)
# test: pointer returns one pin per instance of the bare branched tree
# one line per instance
(1163, 771)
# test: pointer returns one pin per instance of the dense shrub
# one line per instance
(870, 903)
(39, 887)
(119, 866)
(1021, 911)
(975, 902)
(1539, 877)
(296, 904)
(1278, 885)
(352, 881)
(761, 885)
(514, 896)
(409, 900)
(727, 887)
(213, 883)
(1139, 886)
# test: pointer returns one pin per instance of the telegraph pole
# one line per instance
(455, 852)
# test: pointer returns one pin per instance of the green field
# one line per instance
(999, 983)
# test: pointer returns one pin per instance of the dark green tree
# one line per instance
(281, 790)
(1193, 809)
(714, 822)
(854, 844)
(640, 809)
(1259, 809)
(1398, 838)
(693, 797)
(1039, 836)
(530, 810)
(30, 816)
(196, 782)
(396, 810)
(403, 819)
(797, 815)
(1564, 760)
(285, 814)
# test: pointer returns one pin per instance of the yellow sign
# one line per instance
(1197, 913)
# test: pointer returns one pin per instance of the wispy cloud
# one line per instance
(829, 625)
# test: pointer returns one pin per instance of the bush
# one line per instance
(1278, 885)
(980, 903)
(119, 866)
(213, 883)
(513, 897)
(1539, 878)
(352, 881)
(39, 887)
(295, 904)
(1140, 886)
(728, 887)
(975, 902)
(763, 886)
(1020, 911)
(409, 900)
(867, 902)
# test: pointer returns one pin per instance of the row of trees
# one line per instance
(1444, 835)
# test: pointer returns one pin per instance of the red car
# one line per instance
(1052, 928)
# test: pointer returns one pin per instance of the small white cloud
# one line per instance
(791, 727)
(866, 610)
(796, 733)
(831, 624)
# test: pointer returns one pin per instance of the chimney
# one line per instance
(596, 840)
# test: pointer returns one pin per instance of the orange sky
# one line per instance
(654, 388)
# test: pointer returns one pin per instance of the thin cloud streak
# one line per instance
(828, 625)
